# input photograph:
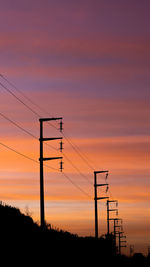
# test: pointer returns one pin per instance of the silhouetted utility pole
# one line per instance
(122, 243)
(41, 159)
(108, 210)
(116, 227)
(131, 250)
(98, 198)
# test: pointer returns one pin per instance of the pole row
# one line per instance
(117, 232)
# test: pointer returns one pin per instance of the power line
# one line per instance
(29, 133)
(24, 130)
(77, 186)
(21, 154)
(76, 149)
(76, 168)
(17, 125)
(33, 160)
(17, 152)
(37, 114)
(22, 102)
(26, 97)
(25, 156)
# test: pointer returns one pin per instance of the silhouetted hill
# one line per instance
(22, 237)
(22, 241)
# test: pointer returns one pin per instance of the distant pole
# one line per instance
(122, 243)
(107, 217)
(108, 210)
(97, 198)
(116, 226)
(131, 250)
(115, 231)
(119, 243)
(96, 212)
(41, 177)
(41, 159)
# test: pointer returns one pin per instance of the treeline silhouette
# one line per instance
(22, 241)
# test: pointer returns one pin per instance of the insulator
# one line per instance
(116, 203)
(116, 212)
(61, 146)
(107, 188)
(106, 176)
(61, 124)
(61, 165)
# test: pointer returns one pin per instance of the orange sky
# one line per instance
(127, 159)
(87, 61)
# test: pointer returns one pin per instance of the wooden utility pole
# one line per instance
(97, 198)
(41, 159)
(122, 243)
(108, 210)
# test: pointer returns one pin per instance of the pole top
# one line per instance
(115, 219)
(100, 172)
(98, 198)
(50, 119)
(112, 200)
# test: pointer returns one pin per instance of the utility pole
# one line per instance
(108, 210)
(41, 159)
(116, 226)
(122, 243)
(131, 250)
(98, 198)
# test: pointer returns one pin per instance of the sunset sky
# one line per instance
(87, 61)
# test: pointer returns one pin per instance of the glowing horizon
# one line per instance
(87, 61)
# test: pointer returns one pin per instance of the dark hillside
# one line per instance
(24, 242)
(20, 234)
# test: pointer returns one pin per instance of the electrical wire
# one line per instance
(24, 130)
(76, 168)
(29, 133)
(23, 103)
(33, 160)
(77, 186)
(76, 149)
(38, 116)
(25, 156)
(24, 95)
(17, 125)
